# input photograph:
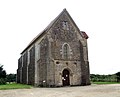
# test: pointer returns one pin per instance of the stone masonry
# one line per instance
(58, 56)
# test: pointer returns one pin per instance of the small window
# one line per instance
(57, 62)
(65, 25)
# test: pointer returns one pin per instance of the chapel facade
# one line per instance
(58, 56)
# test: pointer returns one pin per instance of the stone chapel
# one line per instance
(58, 56)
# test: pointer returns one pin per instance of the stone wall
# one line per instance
(19, 70)
(60, 36)
(84, 66)
(75, 63)
(24, 69)
(31, 66)
(43, 61)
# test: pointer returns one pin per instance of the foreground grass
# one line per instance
(14, 86)
(100, 83)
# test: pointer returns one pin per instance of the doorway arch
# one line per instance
(65, 77)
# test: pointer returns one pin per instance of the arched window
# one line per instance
(66, 51)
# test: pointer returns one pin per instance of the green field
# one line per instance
(14, 86)
(99, 83)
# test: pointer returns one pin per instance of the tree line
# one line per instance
(105, 78)
(4, 78)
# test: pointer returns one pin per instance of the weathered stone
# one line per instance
(56, 57)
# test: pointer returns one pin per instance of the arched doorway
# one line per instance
(65, 77)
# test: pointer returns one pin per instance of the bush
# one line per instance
(2, 75)
(2, 81)
(11, 78)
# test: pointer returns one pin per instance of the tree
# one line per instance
(118, 76)
(2, 75)
(11, 78)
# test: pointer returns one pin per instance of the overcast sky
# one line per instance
(22, 20)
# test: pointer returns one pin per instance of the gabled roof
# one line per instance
(49, 26)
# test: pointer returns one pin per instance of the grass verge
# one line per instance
(100, 83)
(14, 86)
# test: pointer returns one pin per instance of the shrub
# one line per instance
(2, 81)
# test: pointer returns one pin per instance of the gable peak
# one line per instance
(64, 9)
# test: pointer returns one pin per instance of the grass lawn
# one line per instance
(14, 86)
(99, 83)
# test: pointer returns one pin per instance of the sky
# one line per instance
(22, 20)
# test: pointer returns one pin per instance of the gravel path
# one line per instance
(79, 91)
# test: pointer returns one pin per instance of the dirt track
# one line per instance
(81, 91)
